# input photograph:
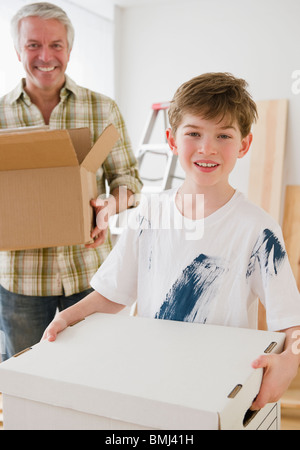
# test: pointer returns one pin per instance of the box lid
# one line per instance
(155, 373)
(35, 148)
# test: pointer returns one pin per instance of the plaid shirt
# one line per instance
(68, 270)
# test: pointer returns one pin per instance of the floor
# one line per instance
(290, 418)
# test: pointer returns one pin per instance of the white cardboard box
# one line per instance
(120, 372)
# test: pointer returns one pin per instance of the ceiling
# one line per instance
(126, 3)
(97, 6)
(105, 8)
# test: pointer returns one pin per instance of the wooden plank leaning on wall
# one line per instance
(291, 228)
(265, 189)
(267, 156)
(266, 165)
(291, 234)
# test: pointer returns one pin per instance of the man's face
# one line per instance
(43, 52)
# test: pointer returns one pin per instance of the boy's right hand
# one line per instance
(56, 326)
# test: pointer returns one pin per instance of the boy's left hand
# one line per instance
(277, 376)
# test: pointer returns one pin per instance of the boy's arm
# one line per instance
(90, 304)
(279, 370)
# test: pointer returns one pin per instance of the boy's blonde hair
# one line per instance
(214, 96)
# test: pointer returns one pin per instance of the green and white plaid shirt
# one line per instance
(54, 271)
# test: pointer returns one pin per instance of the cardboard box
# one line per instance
(122, 372)
(47, 179)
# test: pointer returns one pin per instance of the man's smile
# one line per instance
(45, 69)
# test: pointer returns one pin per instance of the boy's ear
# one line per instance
(171, 141)
(246, 143)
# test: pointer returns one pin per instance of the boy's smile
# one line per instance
(206, 166)
(207, 150)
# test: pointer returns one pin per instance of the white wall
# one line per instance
(161, 46)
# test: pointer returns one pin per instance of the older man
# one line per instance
(34, 283)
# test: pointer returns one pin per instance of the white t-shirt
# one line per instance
(208, 271)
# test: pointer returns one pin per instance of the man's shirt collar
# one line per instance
(69, 87)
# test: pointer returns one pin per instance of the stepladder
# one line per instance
(157, 164)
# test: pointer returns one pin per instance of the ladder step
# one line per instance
(151, 189)
(159, 106)
(155, 147)
(161, 149)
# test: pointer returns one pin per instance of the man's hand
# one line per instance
(120, 199)
(104, 208)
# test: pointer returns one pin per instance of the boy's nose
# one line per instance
(206, 147)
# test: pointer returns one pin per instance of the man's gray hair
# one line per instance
(45, 11)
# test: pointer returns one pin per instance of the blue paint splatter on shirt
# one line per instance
(190, 297)
(268, 252)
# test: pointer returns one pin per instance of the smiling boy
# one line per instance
(207, 151)
(217, 277)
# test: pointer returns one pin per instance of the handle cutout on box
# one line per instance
(75, 323)
(249, 416)
(235, 391)
(23, 351)
(270, 347)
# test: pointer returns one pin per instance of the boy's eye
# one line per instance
(224, 136)
(194, 134)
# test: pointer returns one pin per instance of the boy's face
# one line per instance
(207, 150)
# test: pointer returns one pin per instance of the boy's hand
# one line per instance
(55, 327)
(278, 374)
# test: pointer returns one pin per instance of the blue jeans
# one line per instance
(23, 319)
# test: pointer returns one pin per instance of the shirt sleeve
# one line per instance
(120, 167)
(117, 277)
(272, 280)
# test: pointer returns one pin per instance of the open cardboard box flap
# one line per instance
(54, 148)
(101, 149)
(51, 176)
